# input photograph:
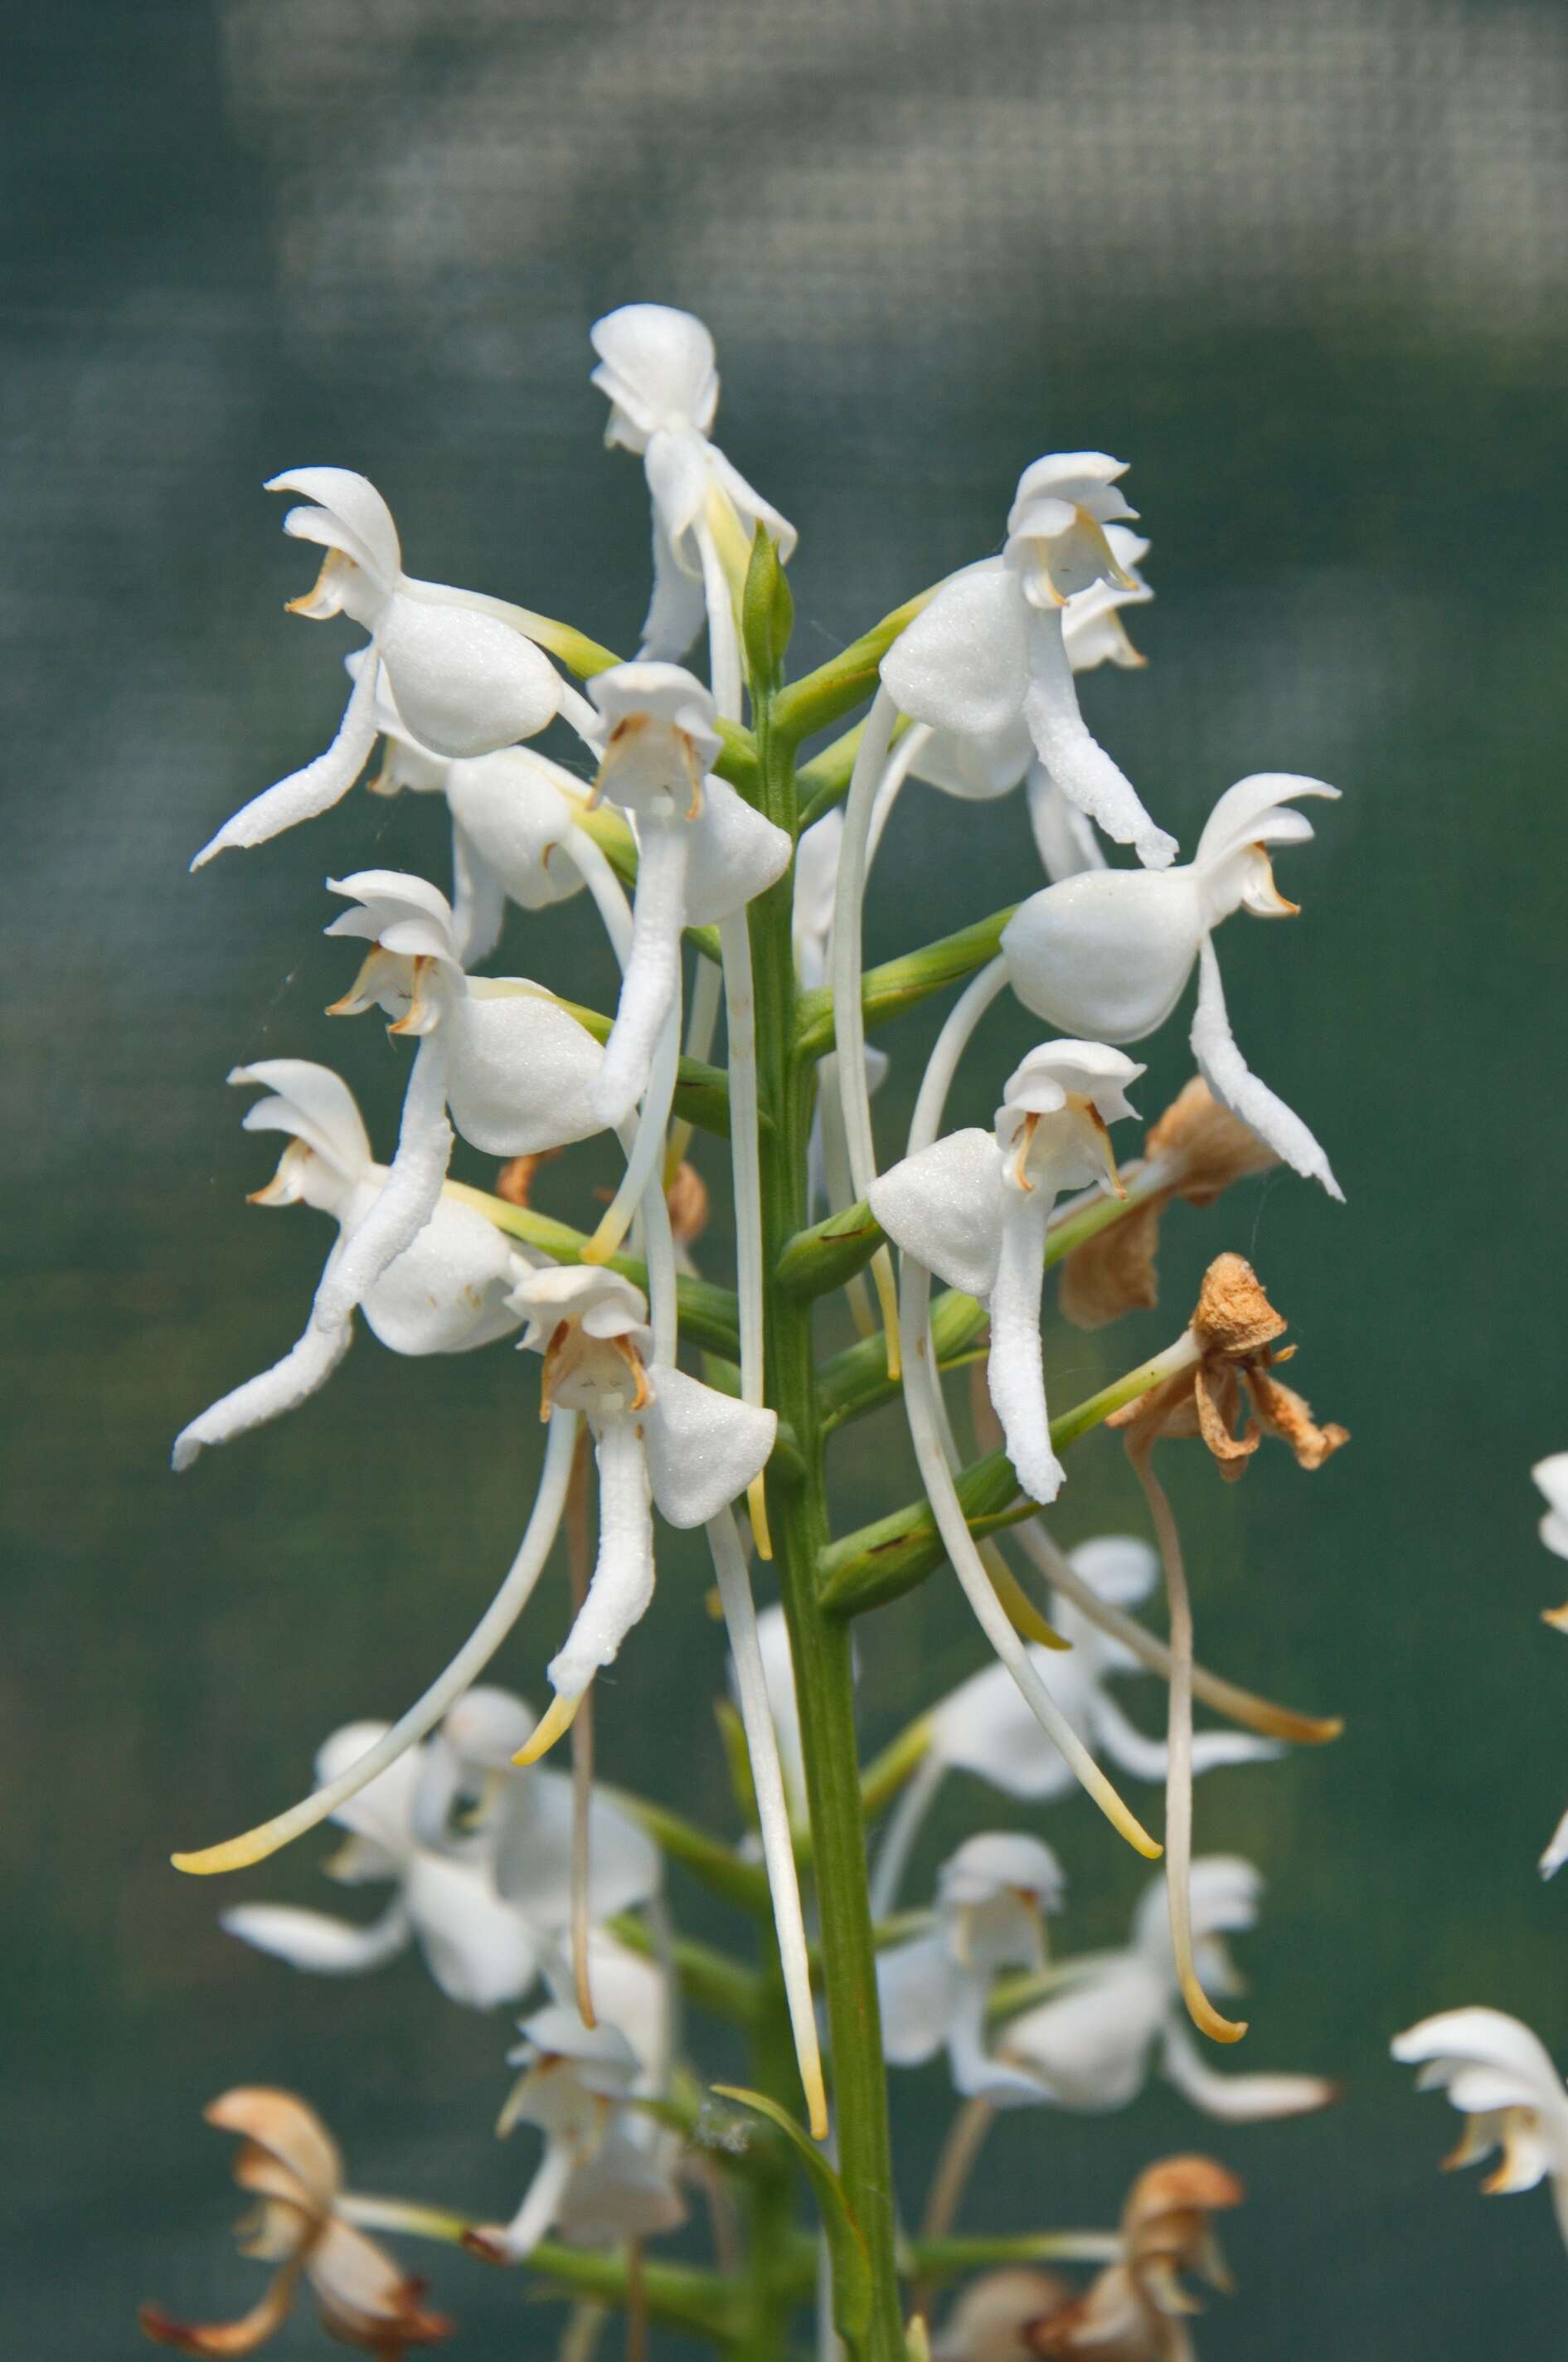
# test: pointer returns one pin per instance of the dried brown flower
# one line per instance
(1137, 2310)
(687, 1198)
(1199, 1148)
(289, 2163)
(514, 1182)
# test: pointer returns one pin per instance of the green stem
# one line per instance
(819, 1642)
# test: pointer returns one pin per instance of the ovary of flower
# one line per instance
(515, 836)
(1499, 2075)
(656, 369)
(991, 1898)
(984, 1726)
(987, 661)
(974, 1208)
(290, 2165)
(480, 1855)
(659, 1438)
(1108, 953)
(445, 1293)
(607, 2173)
(466, 681)
(1091, 2047)
(702, 852)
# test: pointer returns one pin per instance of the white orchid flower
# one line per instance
(984, 1726)
(656, 368)
(608, 2171)
(659, 1438)
(1108, 953)
(443, 1293)
(1500, 2074)
(973, 1207)
(488, 1902)
(1092, 2047)
(514, 831)
(990, 1900)
(702, 852)
(977, 769)
(987, 658)
(466, 681)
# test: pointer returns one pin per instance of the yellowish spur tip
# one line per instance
(556, 1721)
(756, 1509)
(888, 1299)
(606, 1240)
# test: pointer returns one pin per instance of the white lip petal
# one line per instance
(961, 665)
(914, 1989)
(1234, 1084)
(1015, 1368)
(306, 792)
(1236, 2098)
(1076, 760)
(622, 1583)
(312, 1941)
(303, 1371)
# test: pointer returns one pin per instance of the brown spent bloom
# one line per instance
(687, 1198)
(514, 1182)
(1137, 2310)
(291, 2164)
(1235, 1326)
(991, 2320)
(1201, 1148)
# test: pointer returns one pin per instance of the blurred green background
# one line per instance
(1306, 268)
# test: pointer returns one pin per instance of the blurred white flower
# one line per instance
(1091, 2047)
(1107, 954)
(991, 1896)
(985, 1726)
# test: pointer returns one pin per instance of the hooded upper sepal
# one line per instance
(703, 1447)
(943, 1206)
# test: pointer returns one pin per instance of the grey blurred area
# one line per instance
(1303, 267)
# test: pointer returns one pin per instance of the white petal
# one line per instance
(651, 984)
(963, 663)
(315, 790)
(1076, 760)
(622, 1583)
(978, 2073)
(703, 1447)
(1556, 1853)
(478, 902)
(446, 1293)
(987, 1728)
(514, 812)
(409, 1195)
(480, 1950)
(311, 1940)
(975, 769)
(533, 1861)
(313, 1104)
(655, 365)
(677, 606)
(1090, 2045)
(1252, 814)
(523, 1075)
(1122, 1568)
(1551, 1475)
(915, 1990)
(370, 535)
(1234, 1084)
(1146, 1757)
(379, 1813)
(734, 855)
(1015, 1367)
(943, 1207)
(1106, 955)
(1064, 836)
(1236, 2098)
(465, 683)
(1459, 2039)
(305, 1368)
(678, 464)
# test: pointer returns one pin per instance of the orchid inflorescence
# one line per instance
(728, 869)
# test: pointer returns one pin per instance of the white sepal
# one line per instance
(703, 1447)
(943, 1207)
(1105, 954)
(961, 665)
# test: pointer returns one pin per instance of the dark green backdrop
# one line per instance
(1306, 269)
